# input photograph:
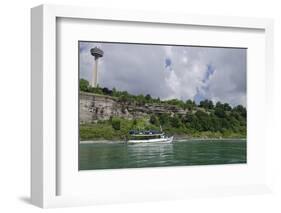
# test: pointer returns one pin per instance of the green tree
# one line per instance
(241, 110)
(148, 98)
(140, 99)
(114, 92)
(220, 112)
(206, 104)
(215, 123)
(106, 91)
(226, 107)
(135, 122)
(154, 120)
(175, 122)
(124, 98)
(219, 105)
(84, 85)
(189, 104)
(116, 123)
(164, 119)
(204, 120)
(195, 123)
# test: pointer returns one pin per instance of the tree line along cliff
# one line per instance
(110, 114)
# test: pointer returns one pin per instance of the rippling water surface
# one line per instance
(179, 153)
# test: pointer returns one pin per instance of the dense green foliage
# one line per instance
(115, 123)
(114, 128)
(203, 120)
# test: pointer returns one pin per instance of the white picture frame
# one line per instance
(44, 149)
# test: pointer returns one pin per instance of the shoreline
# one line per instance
(177, 139)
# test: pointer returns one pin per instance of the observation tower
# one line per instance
(97, 53)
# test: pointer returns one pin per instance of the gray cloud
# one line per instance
(170, 72)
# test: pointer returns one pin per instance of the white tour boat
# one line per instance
(149, 137)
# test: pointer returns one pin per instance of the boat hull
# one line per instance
(155, 140)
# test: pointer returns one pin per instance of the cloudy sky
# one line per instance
(168, 72)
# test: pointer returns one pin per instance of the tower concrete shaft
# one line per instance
(97, 53)
(95, 74)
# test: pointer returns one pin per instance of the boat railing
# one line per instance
(151, 135)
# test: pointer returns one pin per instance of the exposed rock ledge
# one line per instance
(94, 107)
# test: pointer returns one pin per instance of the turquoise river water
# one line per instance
(106, 155)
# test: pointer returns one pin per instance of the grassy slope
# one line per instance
(105, 131)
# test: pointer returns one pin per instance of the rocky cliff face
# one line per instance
(94, 107)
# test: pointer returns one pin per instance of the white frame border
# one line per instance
(43, 89)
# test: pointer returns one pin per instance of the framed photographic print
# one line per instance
(149, 106)
(153, 105)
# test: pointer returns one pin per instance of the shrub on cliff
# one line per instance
(154, 120)
(116, 123)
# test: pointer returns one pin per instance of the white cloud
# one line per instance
(142, 69)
